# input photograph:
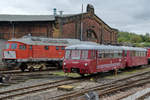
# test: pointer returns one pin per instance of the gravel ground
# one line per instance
(100, 79)
(137, 91)
(32, 82)
(48, 94)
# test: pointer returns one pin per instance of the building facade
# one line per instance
(84, 26)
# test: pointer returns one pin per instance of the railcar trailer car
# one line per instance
(148, 55)
(89, 59)
(35, 52)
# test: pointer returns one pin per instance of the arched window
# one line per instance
(91, 34)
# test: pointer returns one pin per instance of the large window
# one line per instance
(109, 53)
(22, 47)
(84, 54)
(13, 45)
(75, 54)
(67, 54)
(100, 54)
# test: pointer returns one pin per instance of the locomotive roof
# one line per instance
(49, 41)
(103, 47)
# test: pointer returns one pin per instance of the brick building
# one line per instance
(59, 26)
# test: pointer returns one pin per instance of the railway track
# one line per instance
(26, 72)
(108, 88)
(36, 88)
(50, 85)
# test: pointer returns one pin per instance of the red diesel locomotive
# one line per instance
(89, 59)
(34, 52)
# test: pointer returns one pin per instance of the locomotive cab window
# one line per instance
(22, 47)
(46, 47)
(7, 46)
(30, 47)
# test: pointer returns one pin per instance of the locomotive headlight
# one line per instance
(85, 64)
(64, 63)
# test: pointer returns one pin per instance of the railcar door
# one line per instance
(129, 58)
(30, 51)
(94, 61)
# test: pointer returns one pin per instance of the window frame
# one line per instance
(20, 47)
(14, 46)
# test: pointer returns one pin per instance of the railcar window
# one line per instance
(125, 53)
(144, 53)
(101, 54)
(93, 54)
(67, 54)
(13, 45)
(22, 47)
(7, 46)
(107, 54)
(46, 47)
(75, 54)
(120, 53)
(140, 53)
(84, 54)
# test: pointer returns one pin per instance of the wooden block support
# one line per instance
(65, 87)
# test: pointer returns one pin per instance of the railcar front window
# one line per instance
(84, 54)
(75, 54)
(13, 45)
(67, 55)
(7, 46)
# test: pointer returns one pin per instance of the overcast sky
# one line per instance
(125, 15)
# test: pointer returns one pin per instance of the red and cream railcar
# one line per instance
(34, 52)
(89, 59)
(148, 55)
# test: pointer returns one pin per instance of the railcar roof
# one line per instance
(103, 47)
(49, 41)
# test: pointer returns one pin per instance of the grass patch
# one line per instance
(128, 72)
(61, 73)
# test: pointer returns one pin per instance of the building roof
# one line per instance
(102, 47)
(5, 17)
(19, 18)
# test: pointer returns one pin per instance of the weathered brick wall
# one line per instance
(68, 30)
(92, 30)
(91, 24)
(23, 28)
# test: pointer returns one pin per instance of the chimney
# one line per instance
(55, 11)
(61, 13)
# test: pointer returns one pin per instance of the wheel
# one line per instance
(22, 69)
(82, 75)
(31, 69)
